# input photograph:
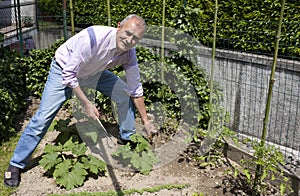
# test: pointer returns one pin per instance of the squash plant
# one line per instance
(137, 154)
(67, 160)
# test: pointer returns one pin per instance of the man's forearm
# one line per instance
(90, 109)
(81, 96)
(141, 108)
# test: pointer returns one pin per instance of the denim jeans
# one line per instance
(54, 96)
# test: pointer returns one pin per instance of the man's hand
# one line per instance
(91, 111)
(150, 129)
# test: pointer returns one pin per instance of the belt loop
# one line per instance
(57, 63)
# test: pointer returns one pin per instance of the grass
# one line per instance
(130, 191)
(6, 152)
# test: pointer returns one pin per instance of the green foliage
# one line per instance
(68, 160)
(251, 26)
(1, 37)
(266, 159)
(12, 91)
(242, 25)
(198, 194)
(8, 109)
(181, 77)
(20, 77)
(66, 131)
(50, 7)
(83, 10)
(214, 158)
(38, 66)
(140, 157)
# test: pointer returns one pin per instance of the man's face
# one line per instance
(129, 34)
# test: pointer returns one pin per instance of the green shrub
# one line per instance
(19, 78)
(38, 66)
(12, 91)
(242, 24)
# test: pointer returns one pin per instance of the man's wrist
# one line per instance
(145, 121)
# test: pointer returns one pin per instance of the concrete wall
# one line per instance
(45, 38)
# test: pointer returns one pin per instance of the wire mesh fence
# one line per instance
(243, 75)
(246, 77)
(14, 17)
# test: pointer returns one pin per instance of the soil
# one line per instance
(209, 181)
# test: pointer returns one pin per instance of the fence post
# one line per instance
(259, 167)
(20, 28)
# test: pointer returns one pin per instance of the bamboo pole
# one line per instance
(65, 19)
(163, 43)
(108, 13)
(211, 85)
(258, 171)
(72, 17)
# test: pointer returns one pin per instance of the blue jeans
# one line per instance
(54, 96)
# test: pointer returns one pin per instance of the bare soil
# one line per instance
(209, 181)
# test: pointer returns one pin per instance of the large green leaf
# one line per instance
(80, 149)
(49, 160)
(95, 165)
(141, 157)
(70, 176)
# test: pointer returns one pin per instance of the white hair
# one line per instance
(140, 19)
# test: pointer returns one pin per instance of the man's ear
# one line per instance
(119, 25)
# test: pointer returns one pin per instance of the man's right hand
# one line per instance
(91, 111)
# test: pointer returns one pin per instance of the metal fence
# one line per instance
(18, 23)
(244, 76)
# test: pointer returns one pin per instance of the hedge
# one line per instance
(242, 25)
(12, 91)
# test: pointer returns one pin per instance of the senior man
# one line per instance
(83, 61)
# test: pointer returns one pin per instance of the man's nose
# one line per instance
(129, 40)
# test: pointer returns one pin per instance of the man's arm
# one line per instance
(90, 108)
(140, 106)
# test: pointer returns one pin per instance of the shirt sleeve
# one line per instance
(132, 71)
